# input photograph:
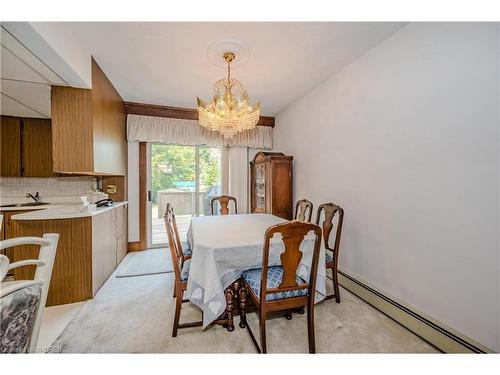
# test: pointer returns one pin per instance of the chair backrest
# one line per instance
(303, 209)
(224, 204)
(293, 234)
(330, 210)
(173, 241)
(170, 209)
(43, 273)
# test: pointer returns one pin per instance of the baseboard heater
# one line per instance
(444, 338)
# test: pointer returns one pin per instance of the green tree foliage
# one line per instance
(210, 168)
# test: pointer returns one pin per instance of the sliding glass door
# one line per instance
(187, 177)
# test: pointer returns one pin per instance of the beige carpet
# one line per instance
(148, 262)
(134, 315)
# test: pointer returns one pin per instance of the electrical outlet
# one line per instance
(111, 189)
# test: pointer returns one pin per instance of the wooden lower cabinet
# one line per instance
(88, 252)
(7, 231)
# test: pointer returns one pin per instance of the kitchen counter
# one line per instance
(52, 202)
(41, 207)
(61, 211)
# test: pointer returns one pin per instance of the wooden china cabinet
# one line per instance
(271, 184)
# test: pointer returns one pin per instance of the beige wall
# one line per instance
(406, 139)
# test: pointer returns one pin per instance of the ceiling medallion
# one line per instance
(229, 111)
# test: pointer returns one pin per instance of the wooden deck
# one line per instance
(159, 233)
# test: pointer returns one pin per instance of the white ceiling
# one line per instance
(167, 64)
(25, 80)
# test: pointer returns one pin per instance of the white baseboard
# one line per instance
(442, 337)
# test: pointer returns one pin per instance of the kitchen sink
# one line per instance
(29, 204)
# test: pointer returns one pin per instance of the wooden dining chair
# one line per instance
(181, 266)
(224, 204)
(187, 252)
(303, 207)
(279, 288)
(332, 253)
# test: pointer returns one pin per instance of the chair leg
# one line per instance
(336, 284)
(178, 304)
(310, 328)
(262, 324)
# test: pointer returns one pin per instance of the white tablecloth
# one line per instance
(225, 246)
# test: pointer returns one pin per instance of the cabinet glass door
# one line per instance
(260, 187)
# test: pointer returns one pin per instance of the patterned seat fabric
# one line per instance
(329, 256)
(274, 277)
(185, 270)
(186, 249)
(17, 317)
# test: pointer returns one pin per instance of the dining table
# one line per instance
(224, 246)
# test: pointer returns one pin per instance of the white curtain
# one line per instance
(188, 132)
(238, 177)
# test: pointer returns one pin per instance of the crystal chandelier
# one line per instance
(229, 111)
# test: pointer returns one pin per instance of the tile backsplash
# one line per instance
(17, 187)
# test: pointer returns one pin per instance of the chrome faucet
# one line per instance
(36, 198)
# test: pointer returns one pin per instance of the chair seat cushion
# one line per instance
(274, 277)
(186, 249)
(328, 256)
(185, 270)
(17, 317)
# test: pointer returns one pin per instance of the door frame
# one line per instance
(143, 195)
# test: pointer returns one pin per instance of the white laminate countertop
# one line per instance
(60, 211)
(41, 207)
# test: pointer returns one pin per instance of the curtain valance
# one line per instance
(188, 132)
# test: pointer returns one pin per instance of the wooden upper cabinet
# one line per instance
(37, 148)
(88, 128)
(72, 142)
(26, 147)
(10, 138)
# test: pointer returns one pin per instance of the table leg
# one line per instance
(243, 306)
(236, 289)
(229, 308)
